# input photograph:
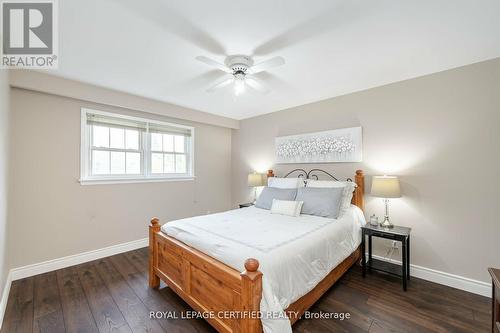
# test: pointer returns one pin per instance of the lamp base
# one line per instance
(386, 223)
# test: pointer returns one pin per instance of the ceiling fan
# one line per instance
(240, 71)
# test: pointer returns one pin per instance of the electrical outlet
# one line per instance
(393, 249)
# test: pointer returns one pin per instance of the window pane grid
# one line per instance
(168, 163)
(115, 151)
(168, 154)
(115, 162)
(108, 138)
(168, 143)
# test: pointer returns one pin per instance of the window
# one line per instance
(123, 148)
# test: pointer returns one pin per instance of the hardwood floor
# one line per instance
(112, 295)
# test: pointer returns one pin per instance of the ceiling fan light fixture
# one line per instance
(239, 86)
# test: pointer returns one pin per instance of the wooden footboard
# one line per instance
(230, 300)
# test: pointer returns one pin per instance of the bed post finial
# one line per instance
(251, 265)
(155, 222)
(270, 173)
(154, 227)
(359, 192)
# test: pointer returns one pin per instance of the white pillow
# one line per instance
(349, 188)
(285, 207)
(285, 182)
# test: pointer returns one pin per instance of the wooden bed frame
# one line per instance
(229, 299)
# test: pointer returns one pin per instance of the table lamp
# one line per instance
(255, 180)
(386, 187)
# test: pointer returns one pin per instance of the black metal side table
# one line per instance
(397, 233)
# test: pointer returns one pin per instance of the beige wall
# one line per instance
(4, 120)
(52, 215)
(440, 133)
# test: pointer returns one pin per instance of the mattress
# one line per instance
(295, 253)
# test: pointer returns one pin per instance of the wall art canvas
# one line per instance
(340, 145)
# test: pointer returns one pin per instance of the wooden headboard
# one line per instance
(359, 179)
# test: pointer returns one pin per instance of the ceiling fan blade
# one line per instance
(226, 80)
(214, 63)
(257, 84)
(265, 65)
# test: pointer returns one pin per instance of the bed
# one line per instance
(233, 294)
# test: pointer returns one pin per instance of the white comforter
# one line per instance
(295, 253)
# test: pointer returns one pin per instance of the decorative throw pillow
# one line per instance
(265, 199)
(324, 202)
(286, 207)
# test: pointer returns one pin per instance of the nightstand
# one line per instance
(248, 204)
(397, 233)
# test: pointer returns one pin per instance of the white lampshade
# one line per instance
(255, 179)
(386, 187)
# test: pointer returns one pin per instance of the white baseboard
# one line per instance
(52, 265)
(5, 297)
(447, 279)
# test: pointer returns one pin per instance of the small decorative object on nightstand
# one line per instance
(396, 233)
(495, 299)
(249, 204)
(386, 187)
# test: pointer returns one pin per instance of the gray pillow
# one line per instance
(265, 199)
(324, 202)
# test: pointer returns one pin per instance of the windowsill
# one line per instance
(134, 180)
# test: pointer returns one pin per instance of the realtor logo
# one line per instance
(29, 34)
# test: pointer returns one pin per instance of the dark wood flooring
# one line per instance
(111, 295)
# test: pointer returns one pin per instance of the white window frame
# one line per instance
(146, 176)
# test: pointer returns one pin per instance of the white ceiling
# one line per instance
(331, 47)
